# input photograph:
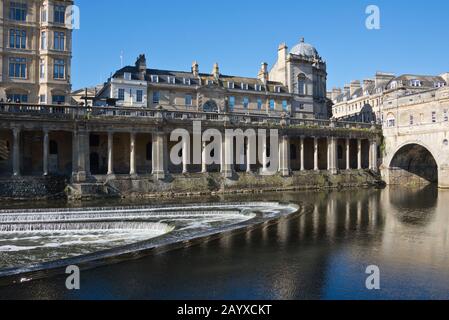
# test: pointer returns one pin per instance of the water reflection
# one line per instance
(322, 254)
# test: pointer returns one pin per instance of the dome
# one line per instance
(304, 49)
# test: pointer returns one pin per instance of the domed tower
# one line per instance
(303, 71)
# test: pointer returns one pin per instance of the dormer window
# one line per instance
(393, 85)
(415, 83)
(210, 82)
(230, 85)
(439, 84)
(186, 81)
(277, 89)
(127, 76)
(155, 78)
(258, 87)
(244, 86)
(171, 80)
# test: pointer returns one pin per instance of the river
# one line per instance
(322, 254)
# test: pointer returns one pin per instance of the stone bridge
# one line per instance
(416, 153)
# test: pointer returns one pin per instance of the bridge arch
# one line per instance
(413, 163)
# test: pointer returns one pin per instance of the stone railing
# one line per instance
(70, 112)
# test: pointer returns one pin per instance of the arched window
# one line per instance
(391, 120)
(53, 147)
(149, 150)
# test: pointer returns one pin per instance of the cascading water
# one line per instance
(33, 237)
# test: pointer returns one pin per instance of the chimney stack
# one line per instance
(263, 73)
(141, 65)
(195, 69)
(353, 87)
(335, 93)
(216, 71)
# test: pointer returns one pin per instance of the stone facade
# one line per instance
(35, 51)
(296, 85)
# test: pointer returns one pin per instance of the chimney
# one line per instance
(216, 71)
(366, 83)
(382, 78)
(353, 87)
(195, 69)
(263, 73)
(335, 93)
(141, 65)
(282, 52)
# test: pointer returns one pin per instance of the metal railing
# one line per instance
(86, 113)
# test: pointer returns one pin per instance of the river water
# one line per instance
(322, 254)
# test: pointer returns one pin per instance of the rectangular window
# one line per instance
(246, 103)
(17, 39)
(127, 76)
(285, 105)
(59, 69)
(121, 94)
(139, 96)
(411, 120)
(231, 103)
(154, 79)
(188, 100)
(58, 99)
(44, 15)
(272, 104)
(17, 68)
(259, 104)
(434, 117)
(445, 116)
(59, 41)
(59, 14)
(244, 86)
(186, 81)
(230, 85)
(42, 98)
(156, 97)
(44, 40)
(277, 89)
(42, 70)
(301, 106)
(18, 11)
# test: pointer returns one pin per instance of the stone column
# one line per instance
(45, 152)
(333, 155)
(185, 156)
(248, 156)
(348, 154)
(301, 147)
(83, 156)
(204, 158)
(359, 154)
(158, 157)
(315, 154)
(284, 156)
(110, 153)
(16, 153)
(265, 157)
(373, 155)
(226, 159)
(74, 154)
(132, 155)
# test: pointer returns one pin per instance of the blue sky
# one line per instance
(240, 34)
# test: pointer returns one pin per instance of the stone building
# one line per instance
(35, 51)
(364, 102)
(296, 85)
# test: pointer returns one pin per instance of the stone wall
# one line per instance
(214, 183)
(29, 188)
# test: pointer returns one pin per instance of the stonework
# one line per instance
(35, 51)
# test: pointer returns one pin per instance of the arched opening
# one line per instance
(414, 164)
(210, 106)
